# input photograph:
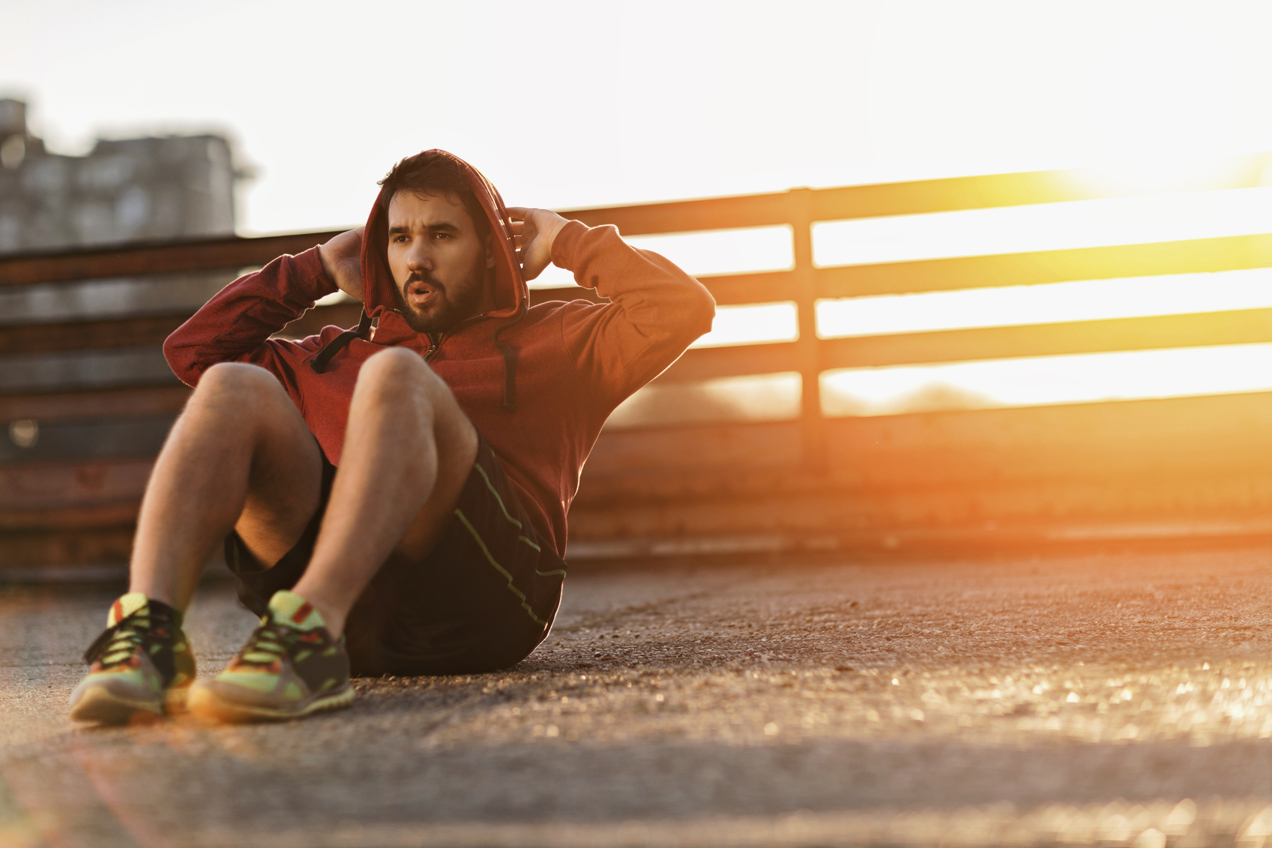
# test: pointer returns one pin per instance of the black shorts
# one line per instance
(482, 599)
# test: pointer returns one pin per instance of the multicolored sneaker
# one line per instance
(291, 667)
(142, 665)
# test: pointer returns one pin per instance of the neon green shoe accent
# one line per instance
(141, 665)
(125, 606)
(257, 681)
(275, 675)
(294, 611)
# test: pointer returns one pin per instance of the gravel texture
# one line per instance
(1098, 699)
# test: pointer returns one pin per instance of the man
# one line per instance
(392, 499)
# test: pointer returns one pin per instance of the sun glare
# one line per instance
(762, 397)
(1175, 294)
(1048, 226)
(1008, 382)
(985, 384)
(1162, 102)
(1161, 106)
(1046, 380)
(764, 323)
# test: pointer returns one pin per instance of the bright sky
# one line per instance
(570, 104)
(579, 103)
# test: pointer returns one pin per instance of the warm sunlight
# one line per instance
(767, 322)
(982, 232)
(939, 513)
(1043, 380)
(1047, 226)
(1172, 294)
(1162, 101)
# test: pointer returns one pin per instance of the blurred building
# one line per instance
(129, 190)
(137, 189)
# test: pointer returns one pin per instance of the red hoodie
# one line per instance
(537, 382)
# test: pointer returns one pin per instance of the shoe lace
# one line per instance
(117, 643)
(269, 643)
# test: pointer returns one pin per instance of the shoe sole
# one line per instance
(205, 702)
(104, 705)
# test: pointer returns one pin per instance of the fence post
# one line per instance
(812, 422)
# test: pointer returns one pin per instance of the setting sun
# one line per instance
(1166, 219)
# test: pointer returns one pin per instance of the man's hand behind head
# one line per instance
(342, 260)
(533, 232)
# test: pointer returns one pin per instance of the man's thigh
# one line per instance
(456, 442)
(271, 549)
(285, 481)
(482, 598)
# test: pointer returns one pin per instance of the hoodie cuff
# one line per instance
(308, 270)
(565, 245)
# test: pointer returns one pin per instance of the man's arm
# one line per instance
(342, 261)
(533, 233)
(236, 324)
(656, 309)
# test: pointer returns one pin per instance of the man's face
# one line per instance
(438, 262)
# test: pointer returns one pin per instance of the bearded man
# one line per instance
(391, 499)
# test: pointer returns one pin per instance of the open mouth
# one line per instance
(420, 293)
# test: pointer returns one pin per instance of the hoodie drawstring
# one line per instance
(507, 351)
(509, 354)
(319, 362)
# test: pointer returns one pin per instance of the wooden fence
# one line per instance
(88, 401)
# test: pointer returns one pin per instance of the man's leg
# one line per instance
(239, 457)
(408, 451)
(239, 453)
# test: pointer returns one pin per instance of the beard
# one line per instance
(450, 304)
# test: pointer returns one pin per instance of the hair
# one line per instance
(434, 174)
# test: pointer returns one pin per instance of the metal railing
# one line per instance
(815, 477)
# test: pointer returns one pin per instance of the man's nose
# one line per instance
(420, 256)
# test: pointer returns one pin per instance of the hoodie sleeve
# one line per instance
(655, 312)
(236, 324)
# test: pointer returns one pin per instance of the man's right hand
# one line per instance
(342, 260)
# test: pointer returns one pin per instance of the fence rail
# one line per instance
(101, 399)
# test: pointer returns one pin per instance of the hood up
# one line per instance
(511, 293)
(512, 296)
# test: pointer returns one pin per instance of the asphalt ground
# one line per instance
(1089, 698)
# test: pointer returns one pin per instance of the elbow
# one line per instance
(178, 357)
(701, 311)
(172, 351)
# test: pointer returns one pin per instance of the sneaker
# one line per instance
(142, 665)
(291, 667)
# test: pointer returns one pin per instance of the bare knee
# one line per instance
(397, 381)
(242, 392)
(237, 380)
(395, 364)
(400, 375)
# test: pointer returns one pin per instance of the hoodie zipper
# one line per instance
(434, 342)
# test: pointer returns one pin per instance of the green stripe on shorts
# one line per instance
(489, 558)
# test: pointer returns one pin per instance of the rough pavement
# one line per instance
(1111, 699)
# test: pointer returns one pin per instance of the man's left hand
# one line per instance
(533, 231)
